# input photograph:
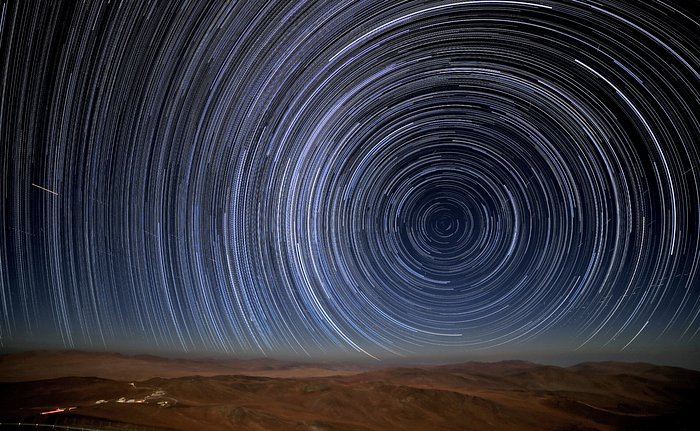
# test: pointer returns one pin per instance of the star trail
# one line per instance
(362, 178)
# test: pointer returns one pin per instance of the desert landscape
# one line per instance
(98, 391)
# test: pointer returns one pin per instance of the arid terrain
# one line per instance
(114, 392)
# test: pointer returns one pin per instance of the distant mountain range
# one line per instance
(111, 391)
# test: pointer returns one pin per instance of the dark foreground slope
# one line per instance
(472, 396)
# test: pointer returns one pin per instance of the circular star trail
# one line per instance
(377, 178)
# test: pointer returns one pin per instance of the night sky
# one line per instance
(350, 179)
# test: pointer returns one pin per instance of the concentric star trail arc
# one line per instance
(370, 178)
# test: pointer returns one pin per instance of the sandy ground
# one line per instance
(186, 395)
